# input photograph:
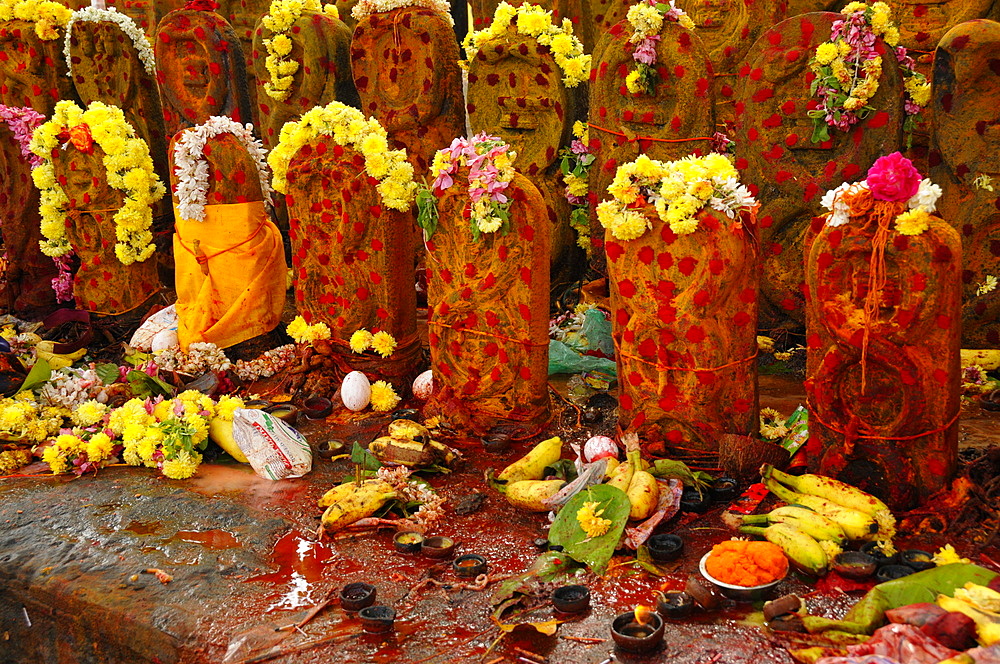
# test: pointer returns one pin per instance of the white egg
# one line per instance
(163, 340)
(598, 447)
(423, 385)
(356, 391)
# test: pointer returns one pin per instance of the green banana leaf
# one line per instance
(40, 373)
(869, 613)
(595, 552)
(548, 567)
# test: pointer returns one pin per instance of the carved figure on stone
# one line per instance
(883, 367)
(964, 162)
(97, 188)
(350, 201)
(787, 170)
(405, 64)
(200, 70)
(110, 60)
(662, 107)
(229, 259)
(27, 286)
(684, 276)
(923, 23)
(488, 285)
(301, 61)
(32, 66)
(525, 88)
(243, 16)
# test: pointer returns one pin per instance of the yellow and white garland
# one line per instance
(46, 15)
(192, 170)
(533, 21)
(348, 128)
(280, 17)
(124, 23)
(129, 169)
(367, 7)
(677, 189)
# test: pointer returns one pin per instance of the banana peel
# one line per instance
(344, 490)
(409, 443)
(57, 361)
(354, 503)
(532, 465)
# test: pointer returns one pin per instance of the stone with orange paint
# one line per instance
(923, 23)
(684, 310)
(785, 169)
(32, 70)
(243, 16)
(575, 10)
(405, 64)
(488, 312)
(516, 92)
(883, 411)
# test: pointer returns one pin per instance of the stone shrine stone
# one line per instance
(32, 70)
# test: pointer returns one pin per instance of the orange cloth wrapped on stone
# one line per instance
(230, 275)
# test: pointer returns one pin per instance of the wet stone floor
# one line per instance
(81, 562)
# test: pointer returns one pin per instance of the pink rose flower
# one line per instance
(893, 178)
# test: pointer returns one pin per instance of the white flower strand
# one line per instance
(192, 169)
(367, 7)
(125, 23)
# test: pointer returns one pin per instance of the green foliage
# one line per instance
(595, 552)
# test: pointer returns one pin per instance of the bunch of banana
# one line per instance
(802, 550)
(354, 501)
(522, 483)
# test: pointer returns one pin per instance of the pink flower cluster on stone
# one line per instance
(893, 178)
(22, 121)
(478, 154)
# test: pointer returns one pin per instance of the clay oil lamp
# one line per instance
(724, 490)
(377, 619)
(356, 596)
(881, 558)
(285, 412)
(674, 604)
(854, 565)
(469, 565)
(665, 547)
(317, 408)
(917, 559)
(408, 542)
(438, 547)
(571, 599)
(892, 572)
(693, 500)
(638, 631)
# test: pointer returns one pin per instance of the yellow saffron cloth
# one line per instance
(230, 273)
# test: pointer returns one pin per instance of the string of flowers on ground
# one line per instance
(575, 162)
(129, 169)
(646, 19)
(124, 23)
(280, 17)
(47, 16)
(192, 169)
(534, 21)
(676, 189)
(367, 7)
(491, 168)
(348, 128)
(847, 69)
(891, 178)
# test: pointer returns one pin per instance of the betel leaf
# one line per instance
(362, 457)
(427, 212)
(40, 374)
(143, 385)
(107, 372)
(595, 552)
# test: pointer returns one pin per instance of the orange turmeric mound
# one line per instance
(742, 563)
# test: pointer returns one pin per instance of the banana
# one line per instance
(532, 465)
(802, 550)
(622, 476)
(531, 494)
(360, 501)
(812, 523)
(643, 492)
(343, 490)
(856, 525)
(826, 487)
(612, 464)
(44, 350)
(221, 431)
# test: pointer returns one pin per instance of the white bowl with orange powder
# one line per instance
(744, 570)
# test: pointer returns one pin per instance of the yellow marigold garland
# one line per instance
(129, 169)
(348, 128)
(47, 16)
(279, 19)
(533, 21)
(304, 333)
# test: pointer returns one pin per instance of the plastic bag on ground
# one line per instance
(904, 643)
(275, 450)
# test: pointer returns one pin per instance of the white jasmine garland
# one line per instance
(192, 169)
(367, 7)
(834, 202)
(126, 24)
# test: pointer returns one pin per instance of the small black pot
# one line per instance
(571, 599)
(917, 559)
(854, 565)
(469, 565)
(438, 547)
(692, 501)
(317, 408)
(408, 542)
(632, 638)
(356, 596)
(665, 547)
(377, 618)
(873, 550)
(890, 572)
(675, 604)
(724, 490)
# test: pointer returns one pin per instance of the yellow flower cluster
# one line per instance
(22, 419)
(913, 222)
(349, 128)
(384, 398)
(678, 190)
(381, 342)
(589, 518)
(169, 435)
(47, 16)
(303, 333)
(533, 21)
(129, 169)
(280, 17)
(88, 413)
(13, 460)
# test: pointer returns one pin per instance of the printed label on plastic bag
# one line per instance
(275, 450)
